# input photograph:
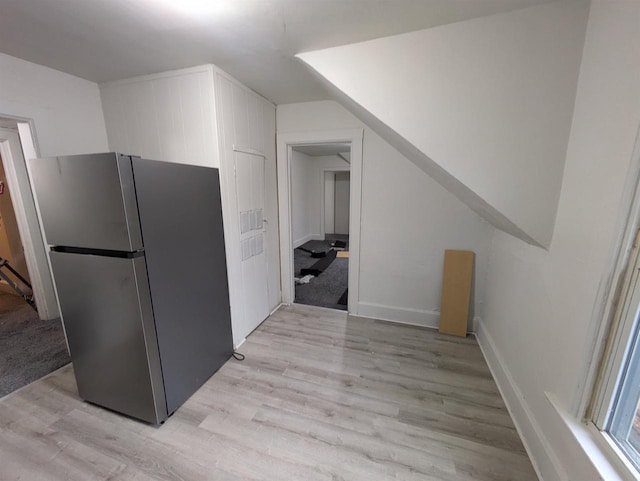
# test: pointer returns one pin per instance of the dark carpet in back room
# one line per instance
(29, 348)
(326, 289)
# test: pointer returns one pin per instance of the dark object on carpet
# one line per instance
(29, 348)
(344, 298)
(323, 290)
(314, 254)
(319, 267)
(339, 243)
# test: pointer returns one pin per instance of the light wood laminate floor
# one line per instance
(319, 397)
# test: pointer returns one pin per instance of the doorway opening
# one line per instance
(32, 342)
(319, 192)
(14, 274)
(320, 204)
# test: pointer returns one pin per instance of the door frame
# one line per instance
(322, 196)
(284, 143)
(15, 146)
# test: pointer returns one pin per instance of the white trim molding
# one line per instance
(28, 223)
(401, 315)
(544, 460)
(429, 318)
(284, 143)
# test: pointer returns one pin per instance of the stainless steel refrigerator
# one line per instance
(138, 258)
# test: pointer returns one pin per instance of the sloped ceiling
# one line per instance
(483, 106)
(253, 40)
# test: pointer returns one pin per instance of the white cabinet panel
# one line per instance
(197, 116)
(240, 116)
(247, 121)
(169, 116)
(255, 124)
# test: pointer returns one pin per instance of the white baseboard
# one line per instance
(540, 452)
(307, 238)
(417, 317)
(404, 315)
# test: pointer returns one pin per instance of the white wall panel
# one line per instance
(173, 116)
(543, 308)
(247, 121)
(66, 117)
(407, 221)
(304, 203)
(168, 116)
(329, 202)
(341, 205)
(272, 235)
(65, 110)
(240, 116)
(307, 180)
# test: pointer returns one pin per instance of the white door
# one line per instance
(249, 170)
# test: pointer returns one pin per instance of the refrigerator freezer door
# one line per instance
(88, 201)
(181, 218)
(108, 319)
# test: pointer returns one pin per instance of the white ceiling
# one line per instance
(322, 150)
(253, 40)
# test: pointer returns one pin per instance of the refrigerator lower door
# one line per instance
(107, 314)
(181, 218)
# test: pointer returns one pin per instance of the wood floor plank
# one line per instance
(321, 396)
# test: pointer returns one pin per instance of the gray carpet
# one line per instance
(326, 289)
(29, 348)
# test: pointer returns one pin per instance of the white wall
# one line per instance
(341, 204)
(404, 230)
(175, 116)
(66, 110)
(66, 117)
(168, 116)
(452, 93)
(539, 305)
(307, 174)
(304, 205)
(329, 202)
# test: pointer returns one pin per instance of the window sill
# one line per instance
(606, 458)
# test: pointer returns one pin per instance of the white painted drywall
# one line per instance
(301, 200)
(408, 220)
(304, 205)
(341, 204)
(539, 304)
(168, 116)
(307, 173)
(66, 110)
(66, 117)
(483, 105)
(329, 202)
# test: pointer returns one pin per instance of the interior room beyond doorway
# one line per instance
(320, 201)
(31, 345)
